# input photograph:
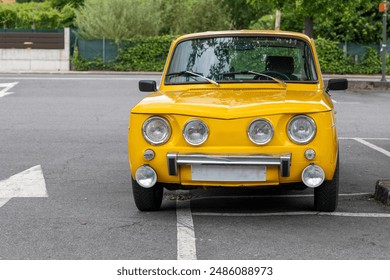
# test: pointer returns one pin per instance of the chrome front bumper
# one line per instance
(176, 159)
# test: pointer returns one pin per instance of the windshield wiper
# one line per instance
(283, 83)
(186, 72)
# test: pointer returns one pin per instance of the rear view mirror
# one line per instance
(337, 84)
(147, 86)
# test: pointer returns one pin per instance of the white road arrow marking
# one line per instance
(6, 88)
(29, 183)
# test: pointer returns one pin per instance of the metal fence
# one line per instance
(357, 51)
(107, 50)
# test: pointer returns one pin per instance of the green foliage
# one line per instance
(359, 23)
(355, 21)
(188, 16)
(371, 62)
(241, 15)
(331, 57)
(35, 16)
(142, 54)
(145, 54)
(59, 4)
(333, 60)
(118, 19)
(264, 23)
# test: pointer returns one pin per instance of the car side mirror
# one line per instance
(147, 86)
(337, 84)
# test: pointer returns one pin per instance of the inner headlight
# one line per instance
(156, 130)
(195, 132)
(260, 131)
(301, 129)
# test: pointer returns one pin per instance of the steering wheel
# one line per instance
(276, 74)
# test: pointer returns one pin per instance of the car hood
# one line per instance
(225, 103)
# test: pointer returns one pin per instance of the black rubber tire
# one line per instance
(326, 195)
(147, 199)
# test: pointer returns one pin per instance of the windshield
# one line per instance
(241, 59)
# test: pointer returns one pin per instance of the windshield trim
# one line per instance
(241, 82)
(246, 35)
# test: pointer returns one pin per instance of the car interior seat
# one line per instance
(281, 64)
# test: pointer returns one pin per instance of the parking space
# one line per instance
(281, 224)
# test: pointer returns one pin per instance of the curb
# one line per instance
(382, 191)
(368, 85)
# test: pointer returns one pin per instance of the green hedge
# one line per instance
(333, 60)
(35, 16)
(144, 54)
(149, 54)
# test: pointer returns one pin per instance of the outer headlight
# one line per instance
(260, 131)
(301, 129)
(156, 130)
(195, 132)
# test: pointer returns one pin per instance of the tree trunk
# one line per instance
(277, 19)
(309, 26)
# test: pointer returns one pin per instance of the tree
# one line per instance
(356, 20)
(60, 4)
(118, 19)
(242, 14)
(187, 16)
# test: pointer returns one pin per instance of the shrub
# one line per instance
(332, 58)
(145, 54)
(371, 62)
(35, 16)
(142, 54)
(117, 19)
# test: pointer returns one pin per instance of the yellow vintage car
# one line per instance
(236, 109)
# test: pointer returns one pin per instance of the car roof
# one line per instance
(244, 33)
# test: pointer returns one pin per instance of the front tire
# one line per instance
(147, 199)
(326, 195)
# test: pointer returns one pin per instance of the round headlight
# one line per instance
(260, 131)
(195, 132)
(301, 129)
(313, 176)
(156, 130)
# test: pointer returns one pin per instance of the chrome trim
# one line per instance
(176, 159)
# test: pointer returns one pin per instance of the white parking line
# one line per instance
(272, 196)
(342, 102)
(6, 87)
(372, 146)
(81, 78)
(186, 247)
(302, 213)
(3, 201)
(365, 138)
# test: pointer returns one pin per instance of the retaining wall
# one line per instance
(36, 59)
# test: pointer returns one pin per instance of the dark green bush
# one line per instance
(331, 57)
(371, 63)
(35, 16)
(144, 54)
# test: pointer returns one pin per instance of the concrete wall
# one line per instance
(36, 59)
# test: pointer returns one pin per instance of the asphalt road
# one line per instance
(75, 128)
